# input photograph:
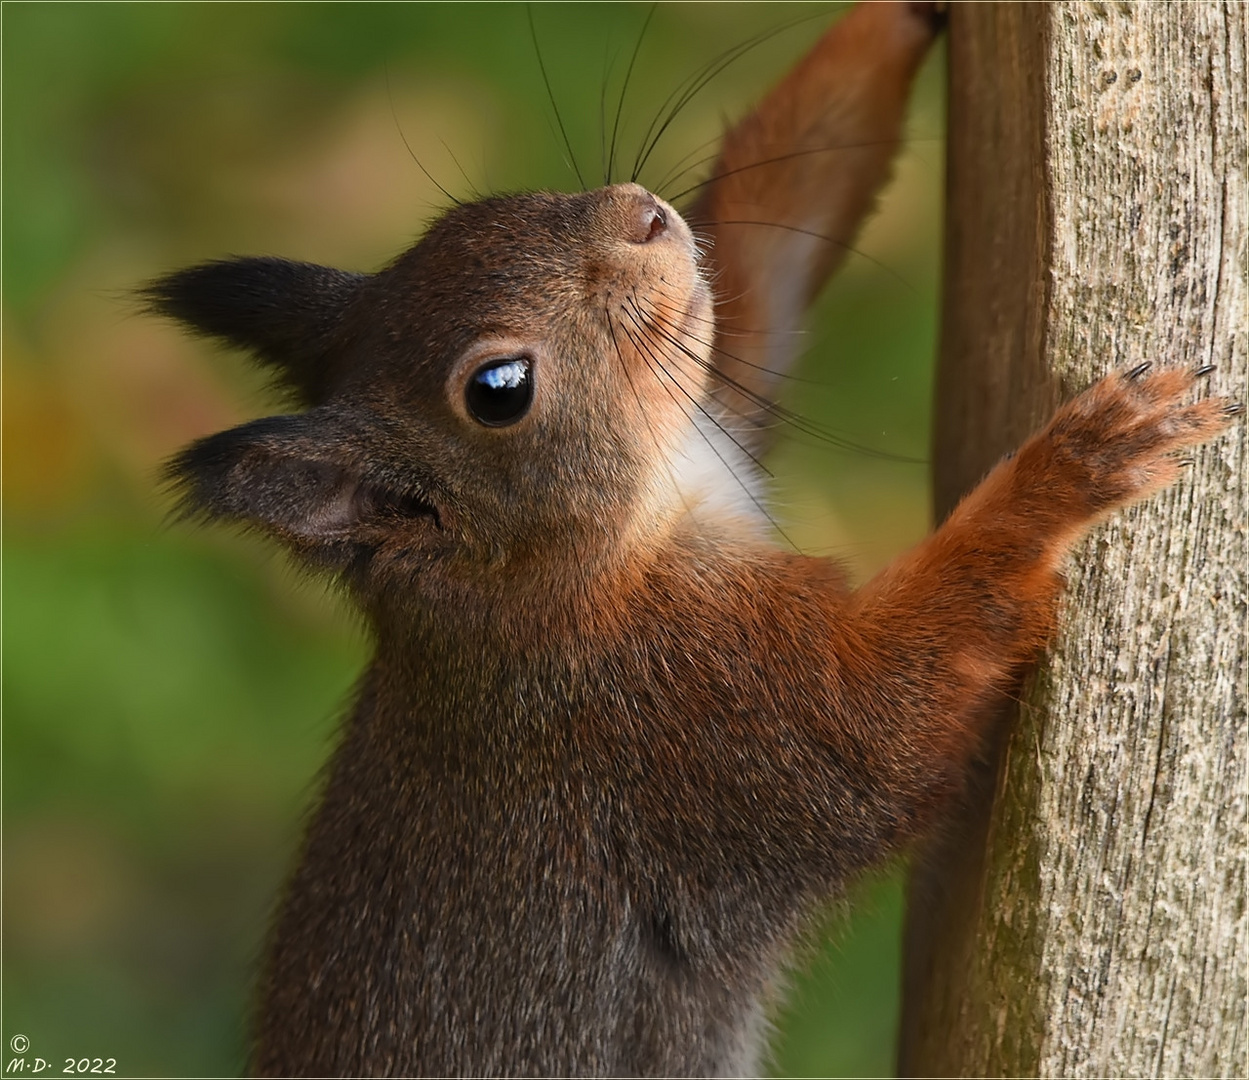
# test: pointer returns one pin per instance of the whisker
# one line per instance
(473, 188)
(699, 80)
(672, 175)
(840, 147)
(644, 352)
(611, 329)
(624, 89)
(738, 413)
(533, 33)
(788, 416)
(673, 308)
(667, 101)
(848, 248)
(390, 100)
(641, 326)
(608, 62)
(703, 243)
(740, 360)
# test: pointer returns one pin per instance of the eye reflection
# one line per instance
(500, 392)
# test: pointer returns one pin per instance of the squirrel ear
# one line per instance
(283, 474)
(284, 312)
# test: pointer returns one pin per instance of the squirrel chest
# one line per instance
(571, 821)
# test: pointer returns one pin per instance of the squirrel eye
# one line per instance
(500, 392)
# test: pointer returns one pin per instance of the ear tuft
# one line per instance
(296, 478)
(286, 313)
(280, 474)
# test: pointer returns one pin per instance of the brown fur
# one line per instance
(614, 745)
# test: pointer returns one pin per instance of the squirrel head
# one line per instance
(506, 394)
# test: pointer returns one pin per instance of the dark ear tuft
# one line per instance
(285, 312)
(286, 475)
(296, 478)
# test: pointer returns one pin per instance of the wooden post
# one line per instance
(1088, 915)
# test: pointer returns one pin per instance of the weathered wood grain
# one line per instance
(1089, 916)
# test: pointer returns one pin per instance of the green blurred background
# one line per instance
(169, 693)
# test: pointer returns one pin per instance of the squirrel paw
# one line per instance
(1115, 442)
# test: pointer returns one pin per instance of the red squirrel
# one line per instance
(615, 744)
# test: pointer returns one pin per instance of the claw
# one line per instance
(1203, 371)
(1234, 409)
(1140, 369)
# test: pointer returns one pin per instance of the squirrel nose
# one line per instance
(651, 221)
